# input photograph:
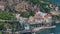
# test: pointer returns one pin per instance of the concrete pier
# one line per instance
(43, 27)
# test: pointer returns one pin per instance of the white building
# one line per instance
(42, 14)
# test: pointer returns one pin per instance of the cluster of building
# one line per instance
(40, 19)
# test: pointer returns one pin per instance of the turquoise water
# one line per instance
(50, 31)
(57, 2)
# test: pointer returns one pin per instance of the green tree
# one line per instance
(25, 14)
(6, 15)
(1, 26)
(31, 13)
(34, 1)
(42, 3)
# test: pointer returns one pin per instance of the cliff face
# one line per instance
(23, 6)
(10, 3)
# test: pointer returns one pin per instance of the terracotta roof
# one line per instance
(47, 15)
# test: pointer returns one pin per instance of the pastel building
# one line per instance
(48, 18)
(36, 20)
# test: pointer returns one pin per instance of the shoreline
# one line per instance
(57, 21)
(41, 28)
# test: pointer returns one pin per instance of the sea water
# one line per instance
(51, 31)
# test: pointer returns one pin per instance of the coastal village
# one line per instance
(22, 25)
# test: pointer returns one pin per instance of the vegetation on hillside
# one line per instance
(6, 15)
(27, 14)
(1, 26)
